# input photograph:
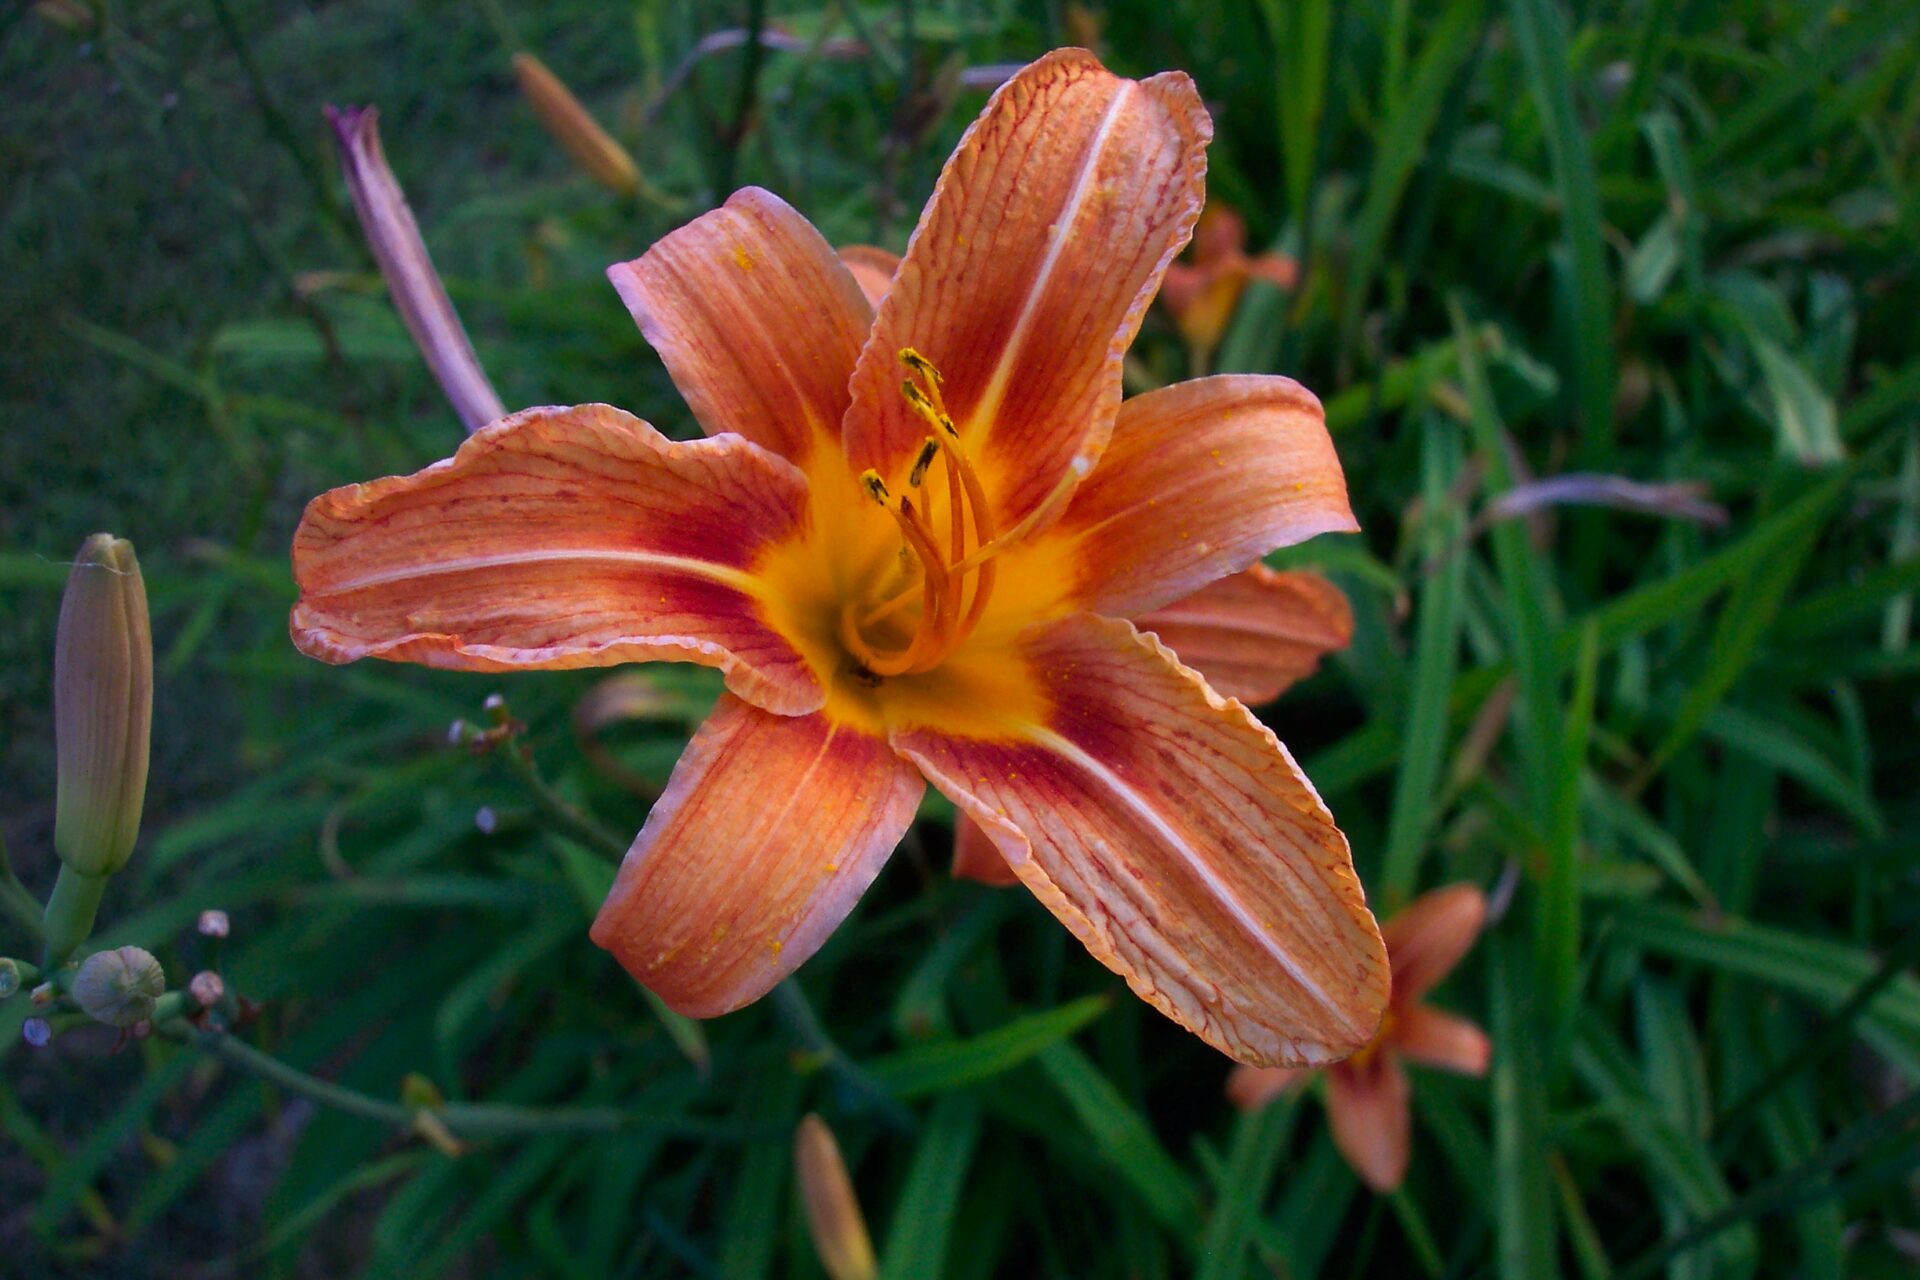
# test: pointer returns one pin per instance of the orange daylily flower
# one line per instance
(1368, 1094)
(1250, 635)
(908, 543)
(1202, 293)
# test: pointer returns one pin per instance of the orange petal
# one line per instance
(1275, 268)
(1428, 937)
(1174, 835)
(769, 831)
(1439, 1039)
(976, 858)
(1031, 269)
(1221, 234)
(1203, 478)
(557, 537)
(1369, 1107)
(1250, 1088)
(755, 318)
(872, 268)
(1256, 632)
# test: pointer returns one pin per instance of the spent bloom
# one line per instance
(1368, 1094)
(910, 543)
(412, 283)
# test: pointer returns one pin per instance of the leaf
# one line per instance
(1125, 1139)
(923, 1217)
(949, 1064)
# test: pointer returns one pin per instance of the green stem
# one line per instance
(19, 903)
(796, 1012)
(70, 912)
(463, 1120)
(749, 94)
(571, 821)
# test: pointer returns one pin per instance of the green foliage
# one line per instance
(1666, 242)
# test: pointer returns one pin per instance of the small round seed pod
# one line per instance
(119, 987)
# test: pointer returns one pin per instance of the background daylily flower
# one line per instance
(1367, 1095)
(1201, 293)
(910, 542)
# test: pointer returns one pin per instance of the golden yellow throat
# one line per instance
(951, 572)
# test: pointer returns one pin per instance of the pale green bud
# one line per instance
(102, 707)
(118, 987)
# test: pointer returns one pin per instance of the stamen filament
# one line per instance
(947, 614)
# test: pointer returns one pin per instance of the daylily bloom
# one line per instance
(1201, 293)
(1368, 1094)
(1250, 636)
(908, 543)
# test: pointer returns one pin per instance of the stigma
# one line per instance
(949, 542)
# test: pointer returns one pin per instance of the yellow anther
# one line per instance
(920, 365)
(928, 452)
(876, 487)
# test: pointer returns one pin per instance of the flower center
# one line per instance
(948, 545)
(1381, 1038)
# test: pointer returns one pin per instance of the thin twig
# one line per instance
(1828, 1039)
(571, 821)
(276, 120)
(1790, 1187)
(749, 94)
(464, 1120)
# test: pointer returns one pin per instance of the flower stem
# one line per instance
(571, 821)
(70, 912)
(19, 903)
(464, 1120)
(796, 1013)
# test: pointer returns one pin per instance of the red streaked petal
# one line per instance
(1250, 1088)
(755, 318)
(576, 537)
(1427, 938)
(1370, 1108)
(1174, 835)
(872, 268)
(1256, 632)
(768, 833)
(1031, 269)
(1436, 1038)
(1202, 479)
(975, 857)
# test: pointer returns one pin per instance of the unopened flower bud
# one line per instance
(213, 924)
(206, 988)
(36, 1032)
(412, 283)
(102, 708)
(485, 820)
(574, 128)
(9, 977)
(119, 987)
(833, 1213)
